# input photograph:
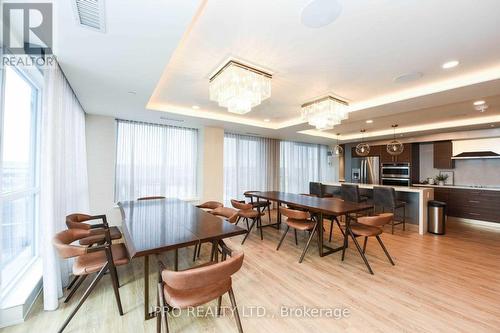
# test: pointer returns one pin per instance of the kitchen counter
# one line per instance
(416, 198)
(464, 187)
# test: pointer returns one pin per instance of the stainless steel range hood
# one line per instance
(476, 149)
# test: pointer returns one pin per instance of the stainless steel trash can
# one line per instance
(436, 218)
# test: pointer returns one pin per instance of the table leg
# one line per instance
(320, 233)
(147, 315)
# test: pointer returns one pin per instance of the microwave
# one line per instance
(395, 170)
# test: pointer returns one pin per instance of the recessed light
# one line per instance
(450, 64)
(369, 121)
(267, 120)
(320, 13)
(408, 77)
(477, 103)
(195, 107)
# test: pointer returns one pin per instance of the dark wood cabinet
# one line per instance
(443, 152)
(473, 204)
(374, 151)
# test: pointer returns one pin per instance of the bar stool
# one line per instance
(350, 192)
(259, 204)
(385, 198)
(246, 211)
(88, 260)
(369, 226)
(298, 220)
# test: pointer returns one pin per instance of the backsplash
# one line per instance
(485, 172)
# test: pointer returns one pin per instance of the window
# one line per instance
(19, 167)
(155, 159)
(301, 163)
(250, 164)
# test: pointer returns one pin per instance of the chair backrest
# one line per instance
(75, 221)
(151, 198)
(62, 242)
(294, 214)
(224, 211)
(315, 189)
(210, 205)
(203, 276)
(384, 197)
(376, 220)
(240, 205)
(350, 192)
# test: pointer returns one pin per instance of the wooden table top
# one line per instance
(155, 226)
(331, 206)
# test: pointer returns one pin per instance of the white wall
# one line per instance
(211, 164)
(466, 172)
(101, 147)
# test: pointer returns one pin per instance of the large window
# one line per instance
(19, 189)
(155, 159)
(250, 164)
(301, 163)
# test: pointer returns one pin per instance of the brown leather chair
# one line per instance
(197, 286)
(246, 212)
(88, 260)
(210, 205)
(156, 197)
(369, 226)
(96, 235)
(298, 220)
(261, 206)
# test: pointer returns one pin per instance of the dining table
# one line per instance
(152, 227)
(319, 208)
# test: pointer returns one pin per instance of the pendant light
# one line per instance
(338, 150)
(363, 148)
(394, 147)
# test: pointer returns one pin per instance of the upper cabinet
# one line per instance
(374, 151)
(404, 157)
(443, 151)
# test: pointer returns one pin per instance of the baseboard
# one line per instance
(488, 224)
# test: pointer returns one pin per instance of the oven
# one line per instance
(396, 174)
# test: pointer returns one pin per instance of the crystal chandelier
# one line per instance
(363, 148)
(395, 147)
(325, 113)
(239, 88)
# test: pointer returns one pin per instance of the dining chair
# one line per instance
(88, 260)
(210, 205)
(155, 197)
(259, 204)
(385, 198)
(298, 220)
(369, 226)
(246, 212)
(196, 286)
(96, 236)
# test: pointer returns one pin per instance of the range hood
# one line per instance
(476, 149)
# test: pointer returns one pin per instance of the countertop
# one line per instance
(466, 187)
(414, 189)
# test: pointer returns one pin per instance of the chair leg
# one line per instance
(360, 252)
(392, 227)
(364, 244)
(269, 213)
(308, 243)
(295, 234)
(385, 250)
(248, 232)
(346, 241)
(219, 303)
(238, 220)
(195, 252)
(331, 232)
(75, 288)
(176, 260)
(283, 237)
(75, 278)
(259, 225)
(340, 227)
(163, 312)
(114, 280)
(84, 297)
(246, 220)
(235, 310)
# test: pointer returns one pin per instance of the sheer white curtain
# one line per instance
(301, 163)
(154, 159)
(250, 164)
(63, 180)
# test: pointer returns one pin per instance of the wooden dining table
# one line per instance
(152, 227)
(318, 207)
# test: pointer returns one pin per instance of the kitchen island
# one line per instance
(416, 199)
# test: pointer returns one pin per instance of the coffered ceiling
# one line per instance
(165, 51)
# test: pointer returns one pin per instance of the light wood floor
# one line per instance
(439, 284)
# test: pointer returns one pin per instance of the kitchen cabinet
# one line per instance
(405, 157)
(443, 152)
(374, 151)
(473, 204)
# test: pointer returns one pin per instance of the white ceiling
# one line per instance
(166, 50)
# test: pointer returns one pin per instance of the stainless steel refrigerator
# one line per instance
(365, 170)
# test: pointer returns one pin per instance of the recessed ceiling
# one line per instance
(166, 50)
